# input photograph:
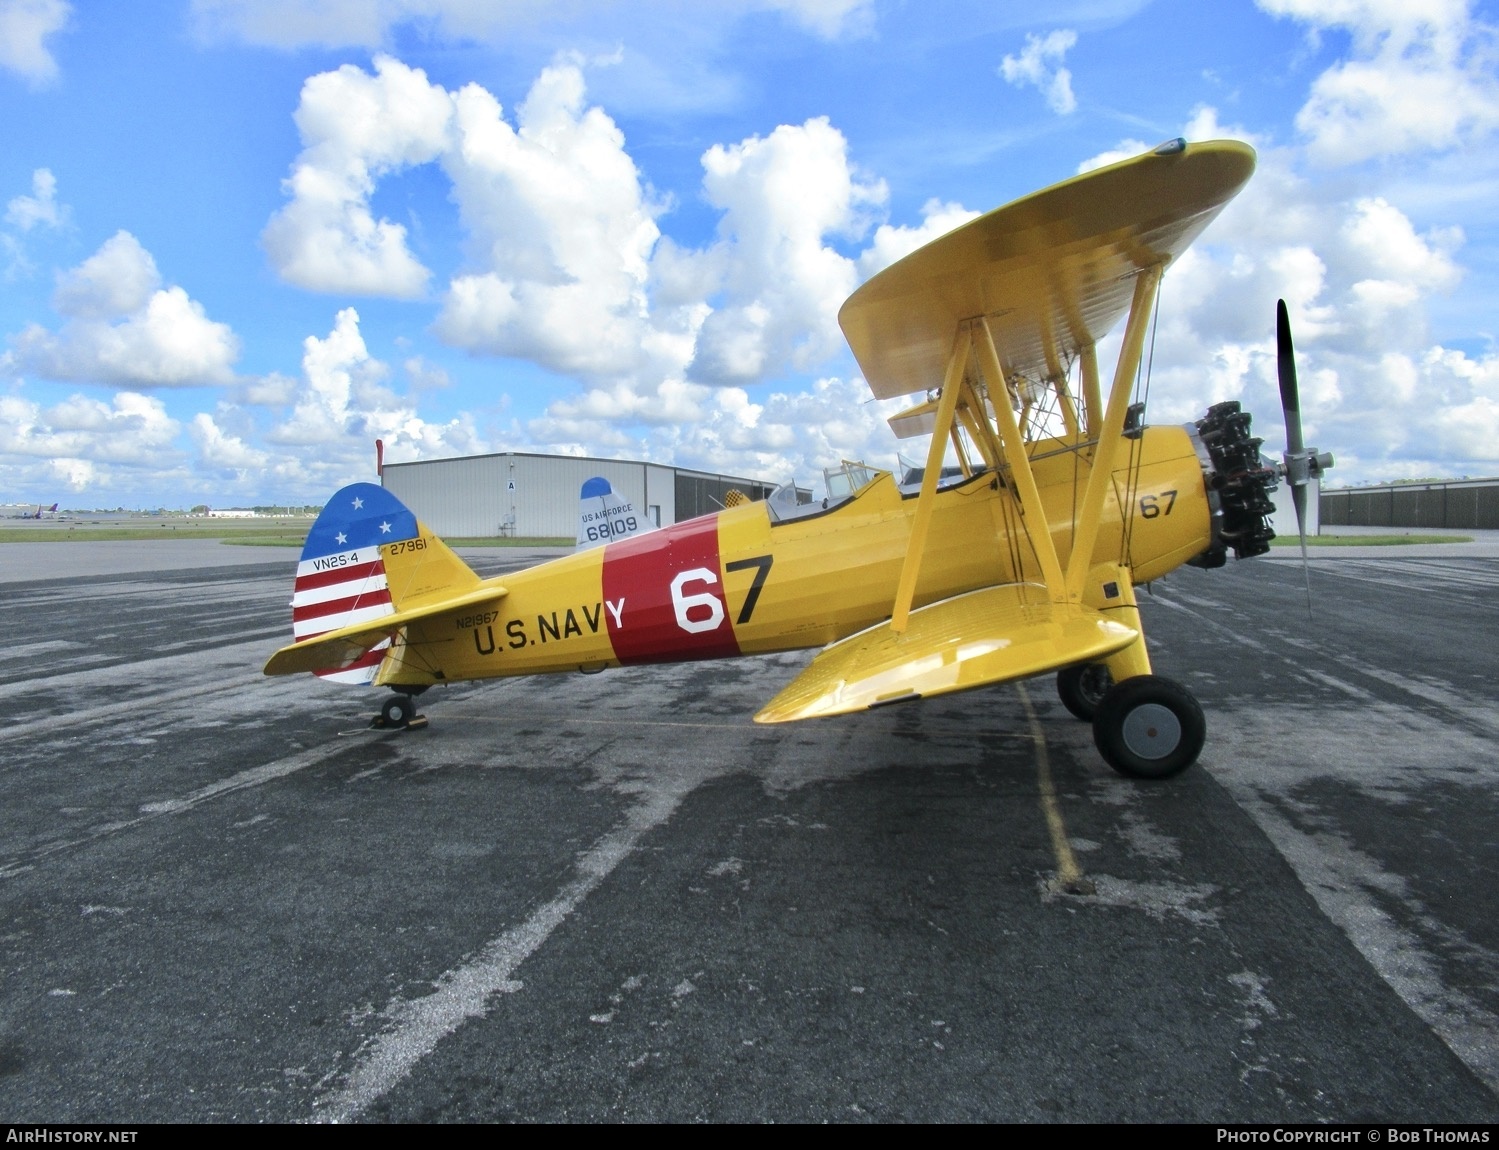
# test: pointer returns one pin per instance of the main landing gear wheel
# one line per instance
(398, 711)
(1149, 728)
(1083, 687)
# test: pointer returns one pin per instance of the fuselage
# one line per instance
(740, 582)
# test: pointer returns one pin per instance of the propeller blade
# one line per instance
(1290, 401)
(1285, 370)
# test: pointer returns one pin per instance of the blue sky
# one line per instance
(241, 240)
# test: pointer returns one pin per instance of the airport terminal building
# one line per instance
(513, 493)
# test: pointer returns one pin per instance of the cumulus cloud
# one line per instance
(787, 434)
(123, 328)
(892, 242)
(568, 268)
(82, 440)
(561, 230)
(1039, 66)
(342, 404)
(281, 437)
(25, 26)
(354, 129)
(780, 282)
(1421, 78)
(221, 451)
(39, 208)
(116, 280)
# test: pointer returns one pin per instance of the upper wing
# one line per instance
(1052, 272)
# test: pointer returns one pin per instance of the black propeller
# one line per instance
(1299, 466)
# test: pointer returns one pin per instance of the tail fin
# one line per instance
(367, 557)
(604, 517)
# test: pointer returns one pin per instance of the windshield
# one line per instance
(788, 501)
(846, 479)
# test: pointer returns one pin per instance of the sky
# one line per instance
(242, 239)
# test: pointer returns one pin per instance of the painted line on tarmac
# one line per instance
(252, 777)
(1437, 693)
(418, 1025)
(1337, 878)
(223, 676)
(149, 705)
(1069, 878)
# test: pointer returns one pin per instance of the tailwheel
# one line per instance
(399, 711)
(1083, 687)
(1149, 728)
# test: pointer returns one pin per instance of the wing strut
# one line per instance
(1102, 472)
(970, 425)
(1092, 397)
(1057, 376)
(957, 445)
(972, 411)
(1020, 468)
(947, 405)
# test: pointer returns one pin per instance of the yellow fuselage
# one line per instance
(739, 583)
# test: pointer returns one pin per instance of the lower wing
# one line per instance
(993, 635)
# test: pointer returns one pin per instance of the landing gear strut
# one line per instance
(1148, 727)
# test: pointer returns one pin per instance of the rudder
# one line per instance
(366, 557)
(605, 517)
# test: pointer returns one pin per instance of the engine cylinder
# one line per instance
(1242, 482)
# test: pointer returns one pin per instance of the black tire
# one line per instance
(398, 710)
(1083, 687)
(1149, 728)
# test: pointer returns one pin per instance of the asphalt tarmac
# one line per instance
(224, 897)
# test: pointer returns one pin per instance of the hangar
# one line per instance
(1443, 504)
(523, 494)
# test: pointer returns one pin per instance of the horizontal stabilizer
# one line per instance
(988, 636)
(347, 645)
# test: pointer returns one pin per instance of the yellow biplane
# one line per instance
(1019, 558)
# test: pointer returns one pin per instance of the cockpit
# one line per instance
(841, 483)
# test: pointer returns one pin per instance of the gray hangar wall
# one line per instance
(1453, 504)
(514, 493)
